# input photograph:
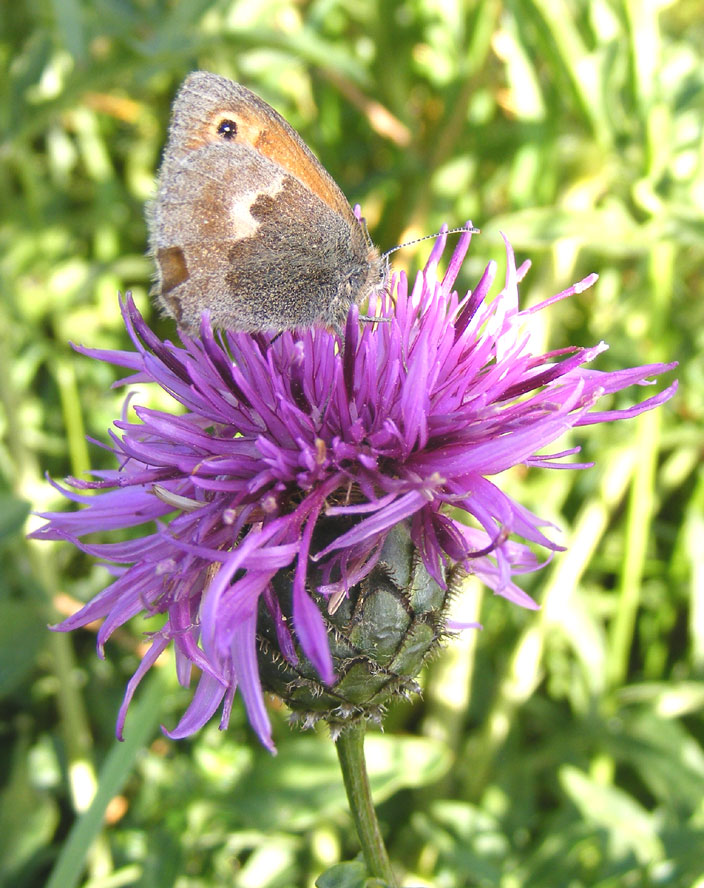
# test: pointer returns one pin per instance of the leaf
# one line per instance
(630, 827)
(12, 515)
(28, 817)
(469, 839)
(670, 699)
(352, 874)
(22, 633)
(303, 785)
(142, 721)
(667, 758)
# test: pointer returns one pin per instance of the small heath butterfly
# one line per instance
(247, 224)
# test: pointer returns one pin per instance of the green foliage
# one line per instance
(551, 749)
(348, 875)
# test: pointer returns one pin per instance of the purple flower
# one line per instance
(405, 421)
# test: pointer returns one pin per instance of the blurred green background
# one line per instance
(563, 748)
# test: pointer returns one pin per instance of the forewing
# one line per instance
(237, 236)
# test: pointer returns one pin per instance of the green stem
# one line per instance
(350, 752)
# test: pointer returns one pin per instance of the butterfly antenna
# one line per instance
(465, 229)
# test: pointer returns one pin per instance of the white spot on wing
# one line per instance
(243, 223)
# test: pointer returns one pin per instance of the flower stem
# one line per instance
(350, 752)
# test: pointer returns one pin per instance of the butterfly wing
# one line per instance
(247, 224)
(236, 235)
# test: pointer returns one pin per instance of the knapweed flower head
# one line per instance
(308, 471)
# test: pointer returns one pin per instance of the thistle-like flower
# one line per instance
(302, 521)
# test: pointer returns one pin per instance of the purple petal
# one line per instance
(244, 658)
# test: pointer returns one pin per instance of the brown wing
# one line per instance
(234, 234)
(247, 224)
(206, 99)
